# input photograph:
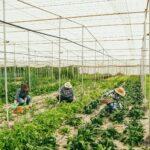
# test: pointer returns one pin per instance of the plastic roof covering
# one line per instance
(113, 27)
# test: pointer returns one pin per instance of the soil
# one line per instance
(61, 140)
(38, 105)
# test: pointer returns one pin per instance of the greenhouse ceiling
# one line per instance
(81, 32)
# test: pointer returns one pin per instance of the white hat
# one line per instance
(68, 85)
(120, 91)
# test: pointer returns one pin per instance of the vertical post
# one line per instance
(149, 35)
(59, 56)
(148, 94)
(15, 62)
(143, 61)
(5, 64)
(36, 64)
(104, 66)
(72, 71)
(126, 67)
(95, 63)
(52, 62)
(67, 65)
(108, 67)
(82, 59)
(111, 66)
(29, 75)
(78, 67)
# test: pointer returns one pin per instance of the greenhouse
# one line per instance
(74, 75)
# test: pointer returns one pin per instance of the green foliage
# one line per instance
(136, 112)
(133, 134)
(117, 115)
(78, 143)
(74, 121)
(134, 91)
(97, 121)
(86, 136)
(64, 130)
(108, 144)
(90, 107)
(38, 133)
(110, 133)
(93, 137)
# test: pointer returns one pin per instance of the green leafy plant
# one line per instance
(108, 144)
(133, 134)
(136, 112)
(90, 108)
(64, 130)
(110, 133)
(74, 121)
(117, 116)
(97, 121)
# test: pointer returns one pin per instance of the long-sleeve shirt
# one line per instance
(21, 94)
(66, 93)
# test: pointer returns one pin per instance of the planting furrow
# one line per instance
(62, 139)
(39, 133)
(38, 106)
(122, 129)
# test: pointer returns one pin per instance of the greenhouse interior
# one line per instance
(74, 75)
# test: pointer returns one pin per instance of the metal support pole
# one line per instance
(112, 66)
(15, 62)
(95, 63)
(149, 35)
(29, 74)
(67, 64)
(148, 79)
(5, 64)
(126, 67)
(143, 85)
(78, 68)
(103, 68)
(108, 67)
(82, 59)
(59, 56)
(52, 62)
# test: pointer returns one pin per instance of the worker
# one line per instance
(22, 95)
(66, 93)
(115, 95)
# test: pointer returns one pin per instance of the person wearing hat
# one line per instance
(115, 94)
(66, 93)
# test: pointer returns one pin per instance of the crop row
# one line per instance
(39, 133)
(94, 136)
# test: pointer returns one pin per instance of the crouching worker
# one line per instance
(22, 96)
(115, 95)
(66, 93)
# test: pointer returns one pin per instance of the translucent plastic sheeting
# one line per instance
(114, 26)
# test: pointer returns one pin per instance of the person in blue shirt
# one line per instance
(115, 96)
(22, 95)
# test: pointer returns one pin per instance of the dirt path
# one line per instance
(62, 139)
(39, 105)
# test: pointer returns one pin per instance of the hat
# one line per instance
(68, 85)
(120, 91)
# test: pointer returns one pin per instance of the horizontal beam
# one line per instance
(79, 27)
(87, 41)
(81, 16)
